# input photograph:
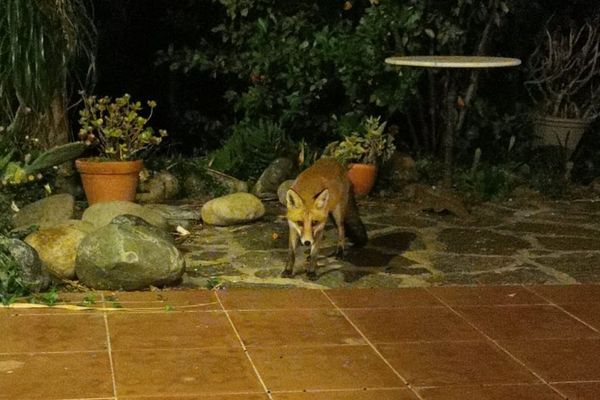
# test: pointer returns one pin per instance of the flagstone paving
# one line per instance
(519, 242)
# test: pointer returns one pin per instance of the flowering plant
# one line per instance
(368, 144)
(117, 127)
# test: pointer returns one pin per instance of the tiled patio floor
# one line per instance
(482, 343)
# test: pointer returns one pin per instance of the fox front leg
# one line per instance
(338, 217)
(288, 272)
(311, 269)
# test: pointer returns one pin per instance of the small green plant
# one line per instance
(117, 127)
(12, 282)
(369, 143)
(89, 300)
(213, 283)
(49, 298)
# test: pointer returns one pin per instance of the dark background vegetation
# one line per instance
(213, 74)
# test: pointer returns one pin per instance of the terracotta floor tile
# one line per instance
(294, 327)
(411, 324)
(52, 332)
(253, 299)
(503, 392)
(184, 372)
(559, 360)
(370, 298)
(174, 329)
(454, 363)
(580, 391)
(393, 394)
(526, 322)
(55, 376)
(178, 300)
(323, 368)
(587, 312)
(561, 294)
(485, 295)
(238, 396)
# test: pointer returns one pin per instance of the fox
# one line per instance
(319, 191)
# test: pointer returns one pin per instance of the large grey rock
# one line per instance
(32, 273)
(403, 170)
(127, 255)
(46, 212)
(100, 214)
(283, 189)
(158, 187)
(175, 215)
(198, 185)
(269, 181)
(232, 209)
(57, 246)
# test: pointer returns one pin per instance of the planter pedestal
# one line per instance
(110, 180)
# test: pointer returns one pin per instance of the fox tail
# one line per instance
(355, 229)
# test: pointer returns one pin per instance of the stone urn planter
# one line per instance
(362, 177)
(564, 132)
(109, 180)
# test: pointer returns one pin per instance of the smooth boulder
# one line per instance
(57, 246)
(46, 212)
(269, 181)
(128, 254)
(32, 274)
(236, 208)
(101, 214)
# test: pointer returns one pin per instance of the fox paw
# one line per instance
(340, 253)
(287, 273)
(311, 275)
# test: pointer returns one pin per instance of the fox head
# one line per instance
(307, 216)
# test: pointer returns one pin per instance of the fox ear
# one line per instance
(293, 200)
(321, 200)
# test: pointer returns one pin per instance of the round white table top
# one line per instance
(454, 61)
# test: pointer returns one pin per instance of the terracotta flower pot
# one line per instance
(362, 177)
(109, 180)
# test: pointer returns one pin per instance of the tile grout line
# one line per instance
(237, 334)
(495, 343)
(110, 357)
(372, 346)
(552, 303)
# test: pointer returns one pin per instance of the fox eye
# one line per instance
(300, 222)
(314, 223)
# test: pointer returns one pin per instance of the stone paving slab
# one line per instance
(541, 242)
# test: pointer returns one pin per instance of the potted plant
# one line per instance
(362, 150)
(564, 83)
(120, 133)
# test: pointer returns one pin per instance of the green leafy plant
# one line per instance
(369, 144)
(15, 172)
(333, 61)
(117, 127)
(41, 43)
(12, 283)
(252, 146)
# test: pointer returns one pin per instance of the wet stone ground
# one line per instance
(543, 242)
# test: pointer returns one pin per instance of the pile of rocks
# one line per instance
(122, 245)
